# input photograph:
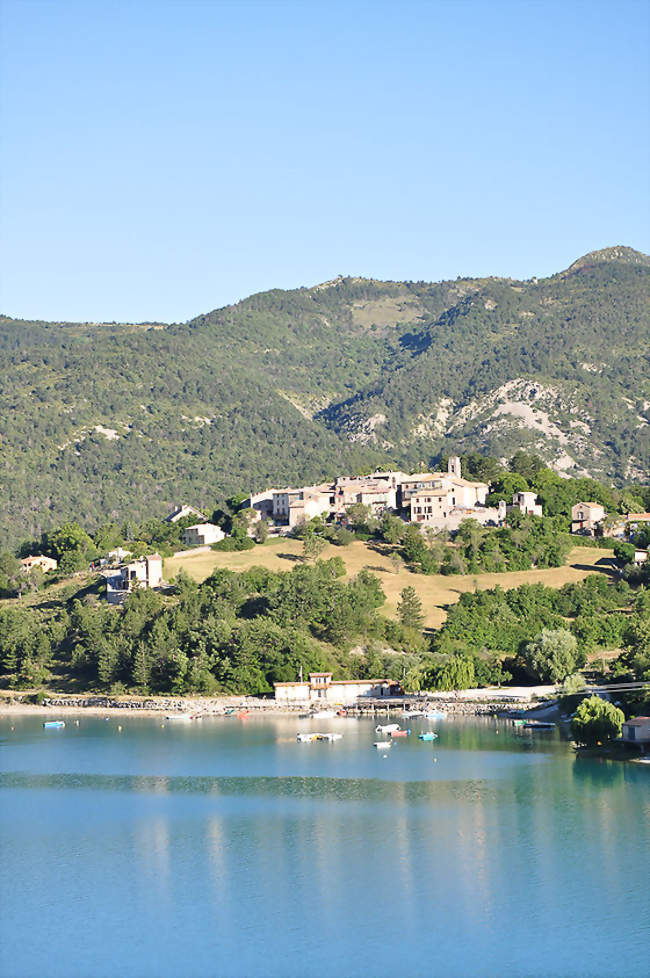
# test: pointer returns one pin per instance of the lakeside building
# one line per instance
(321, 688)
(202, 534)
(38, 560)
(144, 573)
(637, 732)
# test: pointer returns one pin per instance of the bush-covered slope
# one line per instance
(110, 421)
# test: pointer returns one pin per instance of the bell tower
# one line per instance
(453, 466)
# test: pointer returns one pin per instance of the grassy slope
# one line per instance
(436, 591)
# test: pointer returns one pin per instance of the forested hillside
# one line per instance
(107, 421)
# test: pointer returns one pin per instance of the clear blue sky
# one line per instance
(160, 159)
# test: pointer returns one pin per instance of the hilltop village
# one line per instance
(442, 505)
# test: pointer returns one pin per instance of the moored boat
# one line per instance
(427, 735)
(538, 725)
(381, 744)
(324, 714)
(179, 716)
(386, 727)
(399, 733)
(54, 724)
(306, 738)
(329, 737)
(436, 715)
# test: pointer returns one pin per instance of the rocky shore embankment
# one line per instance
(216, 706)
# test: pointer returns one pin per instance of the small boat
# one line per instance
(518, 723)
(306, 738)
(428, 735)
(399, 733)
(329, 737)
(341, 713)
(54, 724)
(387, 727)
(179, 716)
(242, 714)
(324, 715)
(436, 715)
(382, 744)
(538, 725)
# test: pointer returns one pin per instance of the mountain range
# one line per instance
(119, 422)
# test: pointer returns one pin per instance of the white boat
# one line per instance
(179, 716)
(306, 738)
(413, 713)
(386, 727)
(330, 737)
(383, 744)
(324, 715)
(436, 715)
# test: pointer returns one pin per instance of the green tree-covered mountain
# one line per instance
(107, 421)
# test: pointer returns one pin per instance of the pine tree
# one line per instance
(141, 671)
(409, 608)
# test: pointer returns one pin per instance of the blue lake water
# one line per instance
(224, 847)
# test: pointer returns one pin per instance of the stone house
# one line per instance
(587, 518)
(38, 560)
(145, 573)
(445, 499)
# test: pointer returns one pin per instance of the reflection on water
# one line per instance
(508, 855)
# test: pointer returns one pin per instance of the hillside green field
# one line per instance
(436, 591)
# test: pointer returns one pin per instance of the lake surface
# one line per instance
(224, 847)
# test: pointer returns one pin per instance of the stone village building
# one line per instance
(144, 573)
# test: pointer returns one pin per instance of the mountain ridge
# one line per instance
(115, 421)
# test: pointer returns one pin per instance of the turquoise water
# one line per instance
(223, 847)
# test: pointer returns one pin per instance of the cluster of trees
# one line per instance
(526, 542)
(242, 632)
(544, 635)
(234, 633)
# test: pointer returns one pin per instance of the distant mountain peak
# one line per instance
(619, 253)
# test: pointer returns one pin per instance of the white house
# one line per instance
(202, 534)
(144, 573)
(526, 503)
(636, 731)
(321, 688)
